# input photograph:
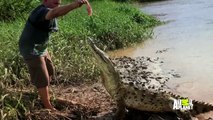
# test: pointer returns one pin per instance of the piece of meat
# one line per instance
(89, 9)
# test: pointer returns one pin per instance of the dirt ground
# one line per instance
(90, 101)
(77, 102)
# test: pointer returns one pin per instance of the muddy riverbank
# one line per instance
(184, 44)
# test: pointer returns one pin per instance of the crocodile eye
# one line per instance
(153, 87)
(135, 88)
(131, 83)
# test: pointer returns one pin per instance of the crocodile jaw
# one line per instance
(110, 77)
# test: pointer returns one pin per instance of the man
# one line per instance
(34, 39)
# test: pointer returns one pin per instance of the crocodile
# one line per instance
(132, 84)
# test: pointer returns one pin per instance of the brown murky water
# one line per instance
(185, 45)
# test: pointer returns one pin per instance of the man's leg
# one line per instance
(40, 78)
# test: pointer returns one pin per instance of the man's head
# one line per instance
(52, 3)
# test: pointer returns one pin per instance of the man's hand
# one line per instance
(62, 10)
(81, 2)
(89, 8)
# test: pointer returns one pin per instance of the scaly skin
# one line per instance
(140, 84)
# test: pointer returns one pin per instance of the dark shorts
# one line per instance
(41, 70)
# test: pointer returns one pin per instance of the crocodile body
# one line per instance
(139, 83)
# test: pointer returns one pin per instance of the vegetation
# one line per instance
(137, 0)
(12, 9)
(113, 25)
(151, 0)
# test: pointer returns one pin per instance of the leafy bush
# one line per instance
(128, 27)
(11, 9)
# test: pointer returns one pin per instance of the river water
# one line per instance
(185, 44)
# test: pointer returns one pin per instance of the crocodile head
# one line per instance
(110, 77)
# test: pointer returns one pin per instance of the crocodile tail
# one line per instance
(200, 107)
